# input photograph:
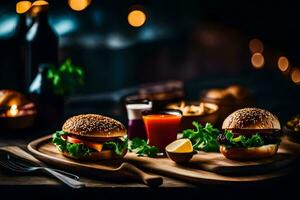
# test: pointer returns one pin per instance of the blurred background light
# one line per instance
(257, 60)
(40, 3)
(23, 6)
(65, 25)
(118, 41)
(7, 25)
(256, 46)
(79, 5)
(283, 63)
(37, 6)
(136, 18)
(148, 34)
(295, 75)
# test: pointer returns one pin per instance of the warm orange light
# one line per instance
(283, 63)
(40, 3)
(295, 75)
(256, 46)
(257, 60)
(37, 7)
(136, 18)
(13, 111)
(79, 5)
(23, 6)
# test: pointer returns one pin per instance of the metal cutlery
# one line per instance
(21, 166)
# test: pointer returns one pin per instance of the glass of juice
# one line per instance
(136, 127)
(162, 127)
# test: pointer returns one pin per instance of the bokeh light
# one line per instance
(79, 5)
(283, 63)
(136, 18)
(37, 7)
(40, 3)
(257, 60)
(23, 6)
(295, 75)
(256, 46)
(7, 25)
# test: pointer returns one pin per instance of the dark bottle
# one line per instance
(50, 106)
(42, 43)
(19, 39)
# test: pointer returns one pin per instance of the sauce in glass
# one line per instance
(162, 129)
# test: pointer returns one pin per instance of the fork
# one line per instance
(15, 165)
(19, 166)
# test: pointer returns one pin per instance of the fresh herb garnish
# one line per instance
(203, 137)
(241, 141)
(142, 148)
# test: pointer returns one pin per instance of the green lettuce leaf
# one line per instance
(80, 150)
(203, 137)
(76, 150)
(241, 141)
(117, 146)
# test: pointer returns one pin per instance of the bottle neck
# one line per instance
(21, 27)
(42, 18)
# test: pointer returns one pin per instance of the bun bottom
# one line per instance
(252, 153)
(96, 156)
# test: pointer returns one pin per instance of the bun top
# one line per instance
(251, 118)
(92, 125)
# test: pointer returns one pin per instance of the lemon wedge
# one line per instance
(180, 146)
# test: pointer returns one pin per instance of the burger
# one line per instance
(91, 137)
(250, 133)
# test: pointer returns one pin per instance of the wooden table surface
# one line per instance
(24, 184)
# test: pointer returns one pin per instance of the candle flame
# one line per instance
(13, 111)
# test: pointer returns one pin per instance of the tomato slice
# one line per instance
(73, 140)
(93, 145)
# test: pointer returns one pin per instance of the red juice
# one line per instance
(161, 129)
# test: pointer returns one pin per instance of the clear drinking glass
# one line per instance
(162, 127)
(136, 127)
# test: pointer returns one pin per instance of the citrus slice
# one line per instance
(180, 146)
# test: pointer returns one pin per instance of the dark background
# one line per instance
(203, 43)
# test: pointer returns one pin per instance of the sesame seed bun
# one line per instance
(92, 125)
(251, 153)
(251, 119)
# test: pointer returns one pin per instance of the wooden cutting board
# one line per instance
(204, 167)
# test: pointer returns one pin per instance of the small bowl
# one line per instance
(17, 122)
(181, 157)
(293, 136)
(187, 119)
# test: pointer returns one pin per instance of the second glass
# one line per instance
(162, 127)
(136, 127)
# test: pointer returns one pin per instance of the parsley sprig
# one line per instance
(203, 137)
(142, 148)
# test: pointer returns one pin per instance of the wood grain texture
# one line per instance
(204, 167)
